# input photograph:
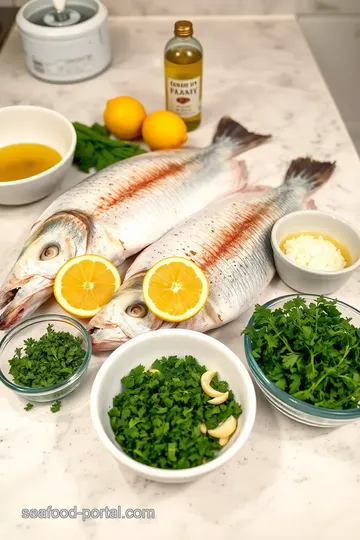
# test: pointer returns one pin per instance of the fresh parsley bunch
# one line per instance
(310, 351)
(95, 149)
(156, 419)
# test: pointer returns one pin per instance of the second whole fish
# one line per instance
(230, 241)
(122, 209)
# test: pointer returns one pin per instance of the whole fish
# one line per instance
(230, 241)
(122, 209)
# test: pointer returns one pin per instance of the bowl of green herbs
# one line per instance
(44, 358)
(156, 412)
(304, 354)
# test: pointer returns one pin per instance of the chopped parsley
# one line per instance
(28, 406)
(47, 361)
(310, 351)
(56, 406)
(156, 419)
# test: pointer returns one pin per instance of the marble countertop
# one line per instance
(289, 481)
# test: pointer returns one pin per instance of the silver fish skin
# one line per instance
(230, 241)
(122, 209)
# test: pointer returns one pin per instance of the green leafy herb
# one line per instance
(96, 150)
(156, 419)
(310, 351)
(55, 407)
(47, 361)
(28, 406)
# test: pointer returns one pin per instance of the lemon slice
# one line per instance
(175, 289)
(85, 284)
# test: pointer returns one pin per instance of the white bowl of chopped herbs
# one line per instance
(44, 358)
(151, 412)
(304, 353)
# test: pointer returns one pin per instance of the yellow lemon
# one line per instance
(124, 117)
(164, 129)
(85, 284)
(175, 289)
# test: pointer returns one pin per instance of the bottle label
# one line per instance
(184, 96)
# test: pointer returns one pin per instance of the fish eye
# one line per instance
(138, 310)
(49, 252)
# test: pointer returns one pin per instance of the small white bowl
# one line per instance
(306, 280)
(145, 349)
(29, 124)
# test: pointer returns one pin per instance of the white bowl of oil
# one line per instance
(340, 232)
(37, 147)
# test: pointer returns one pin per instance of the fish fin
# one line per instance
(228, 130)
(191, 147)
(242, 172)
(310, 204)
(207, 319)
(313, 173)
(255, 189)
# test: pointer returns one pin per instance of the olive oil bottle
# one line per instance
(183, 74)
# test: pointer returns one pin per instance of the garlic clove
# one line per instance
(223, 441)
(203, 429)
(205, 381)
(220, 399)
(225, 429)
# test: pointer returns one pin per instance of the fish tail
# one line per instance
(237, 136)
(310, 172)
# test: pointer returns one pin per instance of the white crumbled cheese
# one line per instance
(314, 252)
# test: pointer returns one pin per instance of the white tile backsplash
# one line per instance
(231, 7)
(335, 43)
(223, 7)
(200, 7)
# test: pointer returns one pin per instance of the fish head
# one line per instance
(124, 317)
(30, 282)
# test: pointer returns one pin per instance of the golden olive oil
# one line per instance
(183, 75)
(343, 250)
(18, 161)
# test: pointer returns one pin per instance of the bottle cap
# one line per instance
(183, 28)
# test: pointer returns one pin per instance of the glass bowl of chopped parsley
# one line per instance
(151, 412)
(45, 358)
(304, 353)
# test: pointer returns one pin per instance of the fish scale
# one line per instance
(122, 184)
(230, 241)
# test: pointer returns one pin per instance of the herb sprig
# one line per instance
(310, 351)
(95, 149)
(156, 419)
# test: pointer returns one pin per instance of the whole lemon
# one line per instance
(124, 117)
(164, 129)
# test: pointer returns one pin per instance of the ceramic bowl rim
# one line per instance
(168, 474)
(40, 319)
(54, 168)
(63, 32)
(306, 270)
(284, 397)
